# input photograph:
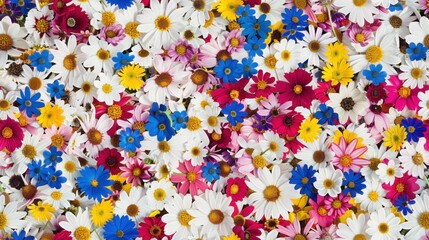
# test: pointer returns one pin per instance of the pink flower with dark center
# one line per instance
(112, 34)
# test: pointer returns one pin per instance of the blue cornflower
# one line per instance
(294, 34)
(159, 126)
(120, 228)
(41, 61)
(375, 74)
(416, 51)
(53, 178)
(52, 157)
(303, 178)
(244, 12)
(253, 26)
(233, 110)
(122, 4)
(25, 5)
(157, 108)
(294, 18)
(229, 70)
(249, 67)
(36, 170)
(130, 140)
(179, 118)
(20, 236)
(121, 60)
(395, 7)
(403, 204)
(326, 114)
(29, 103)
(94, 182)
(55, 89)
(414, 128)
(353, 183)
(254, 46)
(211, 171)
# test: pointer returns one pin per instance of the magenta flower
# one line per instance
(189, 178)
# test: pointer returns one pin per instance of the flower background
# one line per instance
(214, 119)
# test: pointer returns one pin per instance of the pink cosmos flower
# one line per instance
(180, 51)
(359, 35)
(406, 185)
(272, 105)
(294, 229)
(189, 178)
(401, 96)
(234, 41)
(320, 212)
(112, 34)
(58, 137)
(135, 171)
(347, 156)
(338, 205)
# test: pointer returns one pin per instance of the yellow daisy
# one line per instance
(348, 137)
(227, 8)
(131, 76)
(309, 130)
(50, 115)
(233, 236)
(395, 137)
(339, 72)
(101, 213)
(337, 52)
(42, 211)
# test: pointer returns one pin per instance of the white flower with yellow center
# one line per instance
(79, 225)
(201, 101)
(414, 73)
(38, 25)
(96, 137)
(271, 8)
(414, 158)
(373, 197)
(128, 18)
(7, 109)
(375, 155)
(161, 23)
(10, 217)
(197, 11)
(167, 152)
(11, 39)
(268, 62)
(384, 225)
(59, 198)
(288, 55)
(424, 104)
(108, 88)
(388, 172)
(87, 91)
(315, 45)
(196, 150)
(32, 148)
(36, 81)
(383, 49)
(418, 221)
(144, 56)
(359, 10)
(177, 218)
(272, 193)
(328, 181)
(105, 18)
(213, 211)
(398, 21)
(131, 204)
(99, 55)
(210, 119)
(419, 32)
(354, 229)
(159, 193)
(274, 145)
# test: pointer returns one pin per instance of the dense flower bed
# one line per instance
(214, 119)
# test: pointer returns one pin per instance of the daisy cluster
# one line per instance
(214, 119)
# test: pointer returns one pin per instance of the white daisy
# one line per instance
(36, 81)
(414, 73)
(132, 204)
(38, 25)
(106, 17)
(160, 193)
(271, 8)
(288, 55)
(388, 172)
(96, 137)
(99, 55)
(359, 10)
(200, 101)
(314, 45)
(210, 119)
(167, 83)
(32, 148)
(328, 181)
(414, 158)
(272, 193)
(11, 39)
(398, 21)
(7, 109)
(196, 150)
(70, 166)
(197, 11)
(419, 32)
(418, 221)
(108, 88)
(10, 216)
(193, 35)
(274, 145)
(128, 18)
(348, 103)
(59, 198)
(87, 90)
(354, 229)
(268, 62)
(423, 104)
(373, 197)
(168, 152)
(144, 56)
(316, 154)
(177, 218)
(384, 225)
(213, 211)
(161, 23)
(79, 225)
(375, 156)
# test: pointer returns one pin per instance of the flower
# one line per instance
(271, 198)
(211, 171)
(11, 217)
(79, 226)
(130, 140)
(55, 89)
(120, 228)
(42, 60)
(190, 179)
(414, 128)
(347, 156)
(375, 74)
(353, 183)
(29, 103)
(11, 135)
(94, 182)
(131, 204)
(229, 70)
(121, 60)
(383, 225)
(159, 193)
(159, 125)
(338, 72)
(328, 181)
(233, 110)
(417, 223)
(41, 211)
(228, 8)
(296, 88)
(236, 189)
(326, 115)
(131, 76)
(12, 40)
(151, 228)
(395, 137)
(101, 213)
(403, 204)
(354, 228)
(74, 19)
(256, 27)
(121, 4)
(309, 130)
(51, 115)
(303, 179)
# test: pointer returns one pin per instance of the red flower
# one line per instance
(111, 159)
(324, 89)
(229, 92)
(236, 188)
(120, 110)
(63, 235)
(151, 228)
(296, 88)
(376, 93)
(293, 145)
(402, 96)
(261, 85)
(58, 6)
(11, 135)
(220, 140)
(405, 185)
(288, 124)
(73, 20)
(251, 230)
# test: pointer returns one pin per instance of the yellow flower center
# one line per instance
(304, 180)
(383, 228)
(373, 163)
(346, 160)
(259, 161)
(199, 77)
(416, 73)
(70, 62)
(6, 42)
(404, 92)
(94, 136)
(180, 49)
(322, 211)
(193, 124)
(120, 233)
(7, 132)
(106, 88)
(270, 61)
(400, 187)
(373, 196)
(234, 189)
(234, 42)
(162, 23)
(114, 111)
(3, 221)
(94, 183)
(103, 54)
(212, 121)
(418, 159)
(299, 237)
(285, 55)
(373, 54)
(191, 176)
(132, 210)
(57, 140)
(108, 18)
(42, 25)
(297, 89)
(70, 166)
(359, 3)
(163, 79)
(328, 183)
(195, 151)
(390, 172)
(360, 37)
(29, 151)
(82, 233)
(163, 146)
(56, 195)
(234, 94)
(423, 220)
(216, 216)
(131, 30)
(300, 4)
(184, 218)
(359, 237)
(271, 193)
(136, 172)
(159, 194)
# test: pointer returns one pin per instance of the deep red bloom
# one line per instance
(261, 85)
(296, 88)
(376, 93)
(73, 20)
(151, 228)
(120, 110)
(58, 6)
(236, 188)
(406, 184)
(293, 145)
(111, 159)
(323, 90)
(252, 3)
(229, 92)
(251, 230)
(63, 235)
(220, 140)
(11, 135)
(287, 124)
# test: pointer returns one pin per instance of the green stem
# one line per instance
(426, 179)
(328, 8)
(97, 234)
